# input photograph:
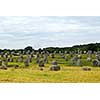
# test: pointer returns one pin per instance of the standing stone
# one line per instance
(66, 58)
(23, 52)
(78, 62)
(54, 62)
(20, 52)
(1, 54)
(96, 62)
(45, 58)
(41, 63)
(95, 52)
(65, 52)
(42, 55)
(72, 61)
(10, 55)
(54, 52)
(16, 59)
(79, 56)
(62, 55)
(59, 52)
(84, 52)
(52, 55)
(98, 57)
(28, 52)
(89, 54)
(37, 57)
(48, 53)
(37, 60)
(79, 52)
(6, 55)
(8, 59)
(32, 53)
(26, 62)
(21, 57)
(11, 59)
(0, 62)
(6, 62)
(29, 58)
(71, 53)
(89, 59)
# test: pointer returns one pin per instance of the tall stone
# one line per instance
(65, 52)
(60, 52)
(6, 55)
(52, 55)
(66, 58)
(32, 53)
(26, 62)
(84, 52)
(89, 53)
(29, 58)
(6, 62)
(41, 63)
(96, 62)
(89, 59)
(11, 59)
(16, 59)
(28, 52)
(55, 52)
(72, 61)
(71, 53)
(0, 62)
(78, 62)
(37, 57)
(62, 55)
(21, 57)
(45, 58)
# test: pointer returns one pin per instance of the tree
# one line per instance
(28, 48)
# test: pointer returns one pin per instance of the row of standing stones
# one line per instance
(42, 58)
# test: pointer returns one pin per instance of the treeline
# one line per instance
(85, 47)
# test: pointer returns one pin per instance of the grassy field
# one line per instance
(67, 74)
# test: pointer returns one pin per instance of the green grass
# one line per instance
(67, 74)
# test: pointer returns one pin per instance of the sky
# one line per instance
(48, 31)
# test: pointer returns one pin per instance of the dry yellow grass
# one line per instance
(66, 75)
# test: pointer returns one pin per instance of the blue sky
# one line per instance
(47, 31)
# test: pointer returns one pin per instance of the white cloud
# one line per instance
(47, 31)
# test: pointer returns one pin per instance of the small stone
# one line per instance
(3, 67)
(41, 68)
(16, 66)
(86, 69)
(54, 66)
